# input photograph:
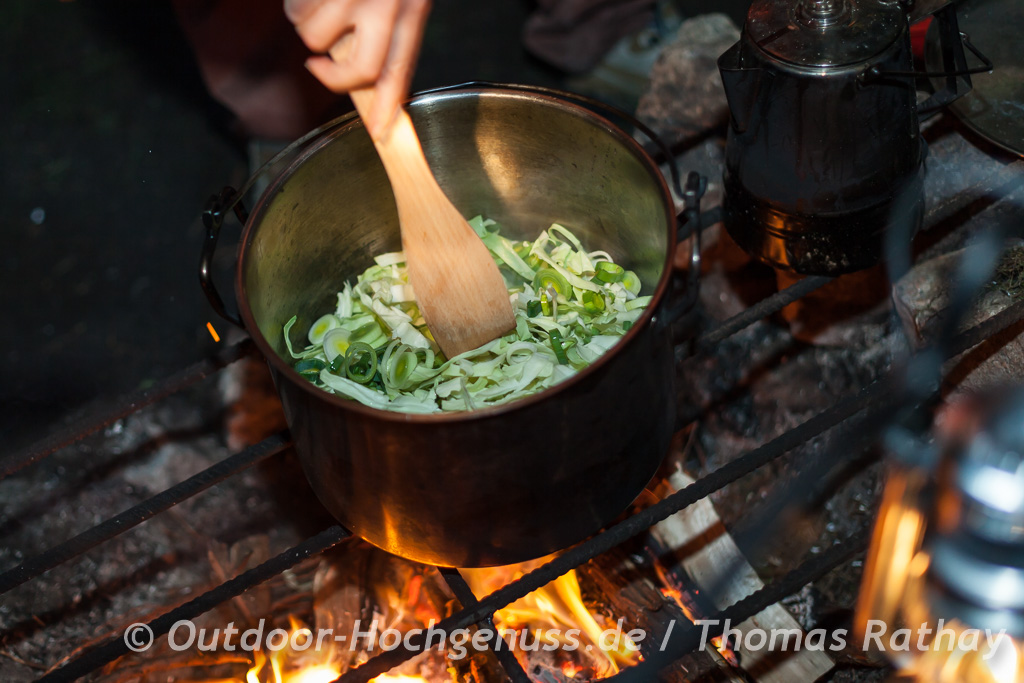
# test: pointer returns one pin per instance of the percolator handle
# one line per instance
(954, 64)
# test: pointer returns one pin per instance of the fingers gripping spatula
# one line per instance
(457, 284)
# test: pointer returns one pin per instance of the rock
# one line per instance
(920, 298)
(685, 96)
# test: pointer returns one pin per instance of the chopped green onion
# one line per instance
(556, 344)
(401, 365)
(627, 325)
(549, 301)
(533, 308)
(368, 330)
(549, 277)
(593, 302)
(288, 337)
(606, 271)
(338, 365)
(361, 362)
(310, 368)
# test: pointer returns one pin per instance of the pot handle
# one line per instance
(213, 219)
(230, 199)
(689, 225)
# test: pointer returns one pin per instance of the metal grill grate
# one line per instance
(869, 405)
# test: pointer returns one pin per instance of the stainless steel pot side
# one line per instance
(503, 484)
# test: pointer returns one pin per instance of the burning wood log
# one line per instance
(361, 589)
(557, 634)
(632, 594)
(700, 544)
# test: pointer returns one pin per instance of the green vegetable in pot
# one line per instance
(570, 306)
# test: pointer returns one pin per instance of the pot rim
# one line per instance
(348, 122)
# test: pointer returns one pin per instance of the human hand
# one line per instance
(384, 38)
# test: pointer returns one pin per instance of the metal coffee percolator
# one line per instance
(824, 153)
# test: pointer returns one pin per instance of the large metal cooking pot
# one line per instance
(502, 484)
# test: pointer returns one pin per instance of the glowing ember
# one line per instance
(676, 595)
(726, 653)
(570, 670)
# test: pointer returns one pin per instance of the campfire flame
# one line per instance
(312, 673)
(546, 616)
(551, 630)
(306, 666)
(549, 613)
(673, 592)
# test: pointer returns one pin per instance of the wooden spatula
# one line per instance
(457, 284)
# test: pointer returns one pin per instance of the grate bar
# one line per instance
(125, 406)
(763, 308)
(687, 639)
(73, 547)
(116, 645)
(878, 395)
(988, 329)
(465, 595)
(973, 201)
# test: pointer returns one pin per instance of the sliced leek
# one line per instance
(570, 305)
(321, 327)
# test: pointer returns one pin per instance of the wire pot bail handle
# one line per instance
(213, 220)
(230, 199)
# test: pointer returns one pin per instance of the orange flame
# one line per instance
(550, 612)
(676, 595)
(287, 666)
(553, 618)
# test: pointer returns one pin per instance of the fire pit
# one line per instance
(234, 537)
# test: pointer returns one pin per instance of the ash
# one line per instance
(165, 561)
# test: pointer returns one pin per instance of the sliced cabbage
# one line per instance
(557, 333)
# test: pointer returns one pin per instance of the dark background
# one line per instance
(111, 146)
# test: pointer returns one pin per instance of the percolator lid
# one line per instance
(824, 33)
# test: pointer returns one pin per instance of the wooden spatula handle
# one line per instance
(458, 286)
